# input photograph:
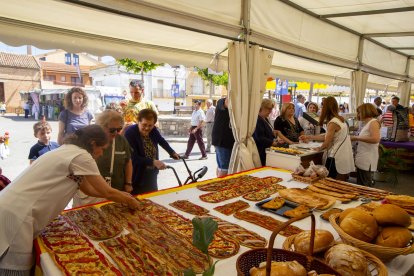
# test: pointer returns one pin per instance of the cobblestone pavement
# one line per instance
(22, 139)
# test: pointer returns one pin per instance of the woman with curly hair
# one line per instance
(76, 115)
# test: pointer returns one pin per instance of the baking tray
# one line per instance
(289, 205)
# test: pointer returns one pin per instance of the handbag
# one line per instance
(330, 161)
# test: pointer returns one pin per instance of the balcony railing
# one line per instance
(68, 83)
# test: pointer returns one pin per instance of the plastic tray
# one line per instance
(289, 205)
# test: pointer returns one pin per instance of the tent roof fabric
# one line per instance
(375, 36)
(20, 61)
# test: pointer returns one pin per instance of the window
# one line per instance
(75, 59)
(50, 78)
(75, 80)
(198, 86)
(99, 83)
(68, 58)
(42, 58)
(160, 89)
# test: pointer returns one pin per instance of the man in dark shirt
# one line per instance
(222, 137)
(395, 101)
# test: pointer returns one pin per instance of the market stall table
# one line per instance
(404, 150)
(398, 266)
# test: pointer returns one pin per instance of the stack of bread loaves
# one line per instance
(345, 259)
(292, 268)
(385, 226)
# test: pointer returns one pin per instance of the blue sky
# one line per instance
(36, 51)
(21, 50)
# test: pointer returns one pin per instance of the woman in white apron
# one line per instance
(44, 189)
(366, 158)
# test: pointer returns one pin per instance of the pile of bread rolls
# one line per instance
(385, 226)
(291, 268)
(345, 259)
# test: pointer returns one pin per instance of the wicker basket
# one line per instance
(254, 257)
(375, 266)
(305, 179)
(382, 252)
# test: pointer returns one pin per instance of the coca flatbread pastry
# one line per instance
(233, 207)
(189, 207)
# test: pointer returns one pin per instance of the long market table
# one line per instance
(398, 266)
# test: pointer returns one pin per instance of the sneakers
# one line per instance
(202, 158)
(184, 156)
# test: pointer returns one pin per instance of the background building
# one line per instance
(19, 74)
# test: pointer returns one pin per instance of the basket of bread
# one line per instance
(383, 232)
(278, 262)
(345, 259)
(310, 175)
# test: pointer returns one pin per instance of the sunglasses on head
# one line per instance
(113, 129)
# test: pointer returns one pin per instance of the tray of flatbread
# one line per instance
(282, 207)
(307, 198)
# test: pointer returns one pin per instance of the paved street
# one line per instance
(22, 139)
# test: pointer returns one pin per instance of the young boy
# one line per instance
(42, 131)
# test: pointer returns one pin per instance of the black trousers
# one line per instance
(364, 177)
(148, 182)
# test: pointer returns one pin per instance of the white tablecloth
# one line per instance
(226, 267)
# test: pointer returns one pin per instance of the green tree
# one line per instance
(138, 67)
(213, 79)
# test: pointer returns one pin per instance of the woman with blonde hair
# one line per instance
(336, 141)
(366, 158)
(115, 164)
(288, 124)
(76, 115)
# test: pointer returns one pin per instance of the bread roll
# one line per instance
(344, 213)
(323, 239)
(347, 260)
(360, 225)
(280, 269)
(390, 214)
(394, 237)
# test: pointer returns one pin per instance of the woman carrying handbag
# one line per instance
(336, 141)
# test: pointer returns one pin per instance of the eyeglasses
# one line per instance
(113, 129)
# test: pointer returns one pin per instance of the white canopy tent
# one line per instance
(315, 40)
(376, 37)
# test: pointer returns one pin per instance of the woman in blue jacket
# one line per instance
(144, 138)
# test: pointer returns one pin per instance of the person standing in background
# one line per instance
(366, 158)
(211, 109)
(136, 103)
(395, 101)
(387, 119)
(196, 132)
(300, 106)
(76, 114)
(377, 105)
(411, 120)
(308, 127)
(222, 137)
(2, 108)
(26, 108)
